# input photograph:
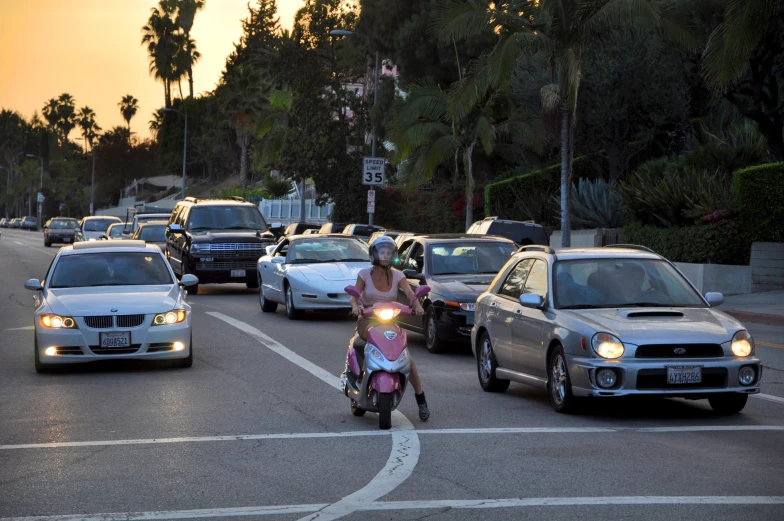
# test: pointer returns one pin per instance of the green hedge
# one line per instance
(719, 243)
(502, 198)
(759, 193)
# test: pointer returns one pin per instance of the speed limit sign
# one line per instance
(373, 173)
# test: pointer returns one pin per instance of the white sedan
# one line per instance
(309, 272)
(109, 300)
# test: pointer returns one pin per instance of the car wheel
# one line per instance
(40, 367)
(48, 244)
(252, 284)
(292, 312)
(728, 403)
(559, 384)
(486, 366)
(267, 306)
(356, 410)
(434, 344)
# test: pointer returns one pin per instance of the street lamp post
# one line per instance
(40, 186)
(184, 145)
(92, 183)
(343, 32)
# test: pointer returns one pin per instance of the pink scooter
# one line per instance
(377, 371)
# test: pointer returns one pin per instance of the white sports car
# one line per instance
(107, 300)
(309, 272)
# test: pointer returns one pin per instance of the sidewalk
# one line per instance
(765, 308)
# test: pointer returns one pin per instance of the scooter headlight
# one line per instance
(386, 313)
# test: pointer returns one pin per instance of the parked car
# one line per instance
(141, 218)
(60, 230)
(29, 223)
(299, 229)
(152, 232)
(614, 321)
(392, 234)
(218, 240)
(332, 228)
(15, 223)
(103, 300)
(521, 232)
(363, 231)
(458, 268)
(93, 226)
(116, 232)
(310, 272)
(4, 222)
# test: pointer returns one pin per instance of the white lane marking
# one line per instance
(25, 328)
(19, 243)
(418, 505)
(769, 397)
(405, 442)
(425, 432)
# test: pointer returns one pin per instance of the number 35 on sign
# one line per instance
(373, 173)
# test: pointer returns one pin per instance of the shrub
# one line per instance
(719, 241)
(245, 193)
(759, 193)
(595, 204)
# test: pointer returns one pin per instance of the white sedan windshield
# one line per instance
(110, 269)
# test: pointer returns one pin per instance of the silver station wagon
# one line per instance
(601, 322)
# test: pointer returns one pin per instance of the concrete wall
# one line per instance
(729, 280)
(767, 266)
(595, 238)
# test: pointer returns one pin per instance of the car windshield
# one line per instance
(115, 230)
(621, 283)
(226, 218)
(327, 250)
(153, 233)
(97, 225)
(110, 269)
(63, 224)
(457, 258)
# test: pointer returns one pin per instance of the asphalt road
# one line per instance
(258, 429)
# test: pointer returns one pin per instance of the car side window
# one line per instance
(513, 285)
(283, 249)
(181, 219)
(536, 283)
(404, 249)
(416, 258)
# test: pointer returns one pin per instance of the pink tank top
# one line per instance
(371, 295)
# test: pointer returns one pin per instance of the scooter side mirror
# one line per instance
(421, 291)
(353, 291)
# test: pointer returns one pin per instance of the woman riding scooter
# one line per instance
(380, 283)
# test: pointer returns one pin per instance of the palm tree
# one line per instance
(50, 112)
(85, 118)
(243, 97)
(159, 34)
(187, 57)
(186, 12)
(66, 112)
(559, 29)
(156, 123)
(431, 128)
(128, 107)
(739, 62)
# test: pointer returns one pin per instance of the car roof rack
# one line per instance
(227, 198)
(536, 247)
(631, 247)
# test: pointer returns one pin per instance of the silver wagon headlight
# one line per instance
(607, 345)
(742, 343)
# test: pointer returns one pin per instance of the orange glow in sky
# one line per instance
(92, 50)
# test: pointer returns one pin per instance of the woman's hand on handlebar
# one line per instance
(418, 310)
(356, 310)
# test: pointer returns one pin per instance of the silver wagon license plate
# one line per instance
(110, 340)
(684, 374)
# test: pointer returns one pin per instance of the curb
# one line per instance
(756, 318)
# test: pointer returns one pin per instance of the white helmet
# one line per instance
(383, 241)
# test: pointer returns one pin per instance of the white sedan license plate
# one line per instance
(684, 374)
(110, 340)
(237, 273)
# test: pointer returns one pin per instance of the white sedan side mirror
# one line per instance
(189, 280)
(34, 285)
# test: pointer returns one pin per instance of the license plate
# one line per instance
(110, 340)
(66, 240)
(470, 320)
(684, 374)
(237, 273)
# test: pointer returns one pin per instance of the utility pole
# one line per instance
(92, 185)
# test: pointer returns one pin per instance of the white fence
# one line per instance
(287, 211)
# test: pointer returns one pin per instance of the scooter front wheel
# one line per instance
(384, 411)
(356, 410)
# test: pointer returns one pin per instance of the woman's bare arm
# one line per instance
(415, 305)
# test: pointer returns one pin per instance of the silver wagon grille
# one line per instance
(104, 322)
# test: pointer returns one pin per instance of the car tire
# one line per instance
(559, 385)
(291, 311)
(728, 403)
(434, 344)
(356, 410)
(47, 244)
(486, 365)
(40, 367)
(267, 306)
(252, 284)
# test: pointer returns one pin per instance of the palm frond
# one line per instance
(484, 132)
(457, 20)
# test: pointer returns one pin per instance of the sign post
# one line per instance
(373, 174)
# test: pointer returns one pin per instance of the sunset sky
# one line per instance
(92, 50)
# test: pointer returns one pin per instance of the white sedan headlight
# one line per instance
(172, 317)
(742, 343)
(607, 345)
(57, 322)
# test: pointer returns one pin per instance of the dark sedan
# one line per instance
(60, 230)
(458, 268)
(29, 223)
(16, 223)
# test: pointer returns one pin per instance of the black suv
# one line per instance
(218, 240)
(521, 232)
